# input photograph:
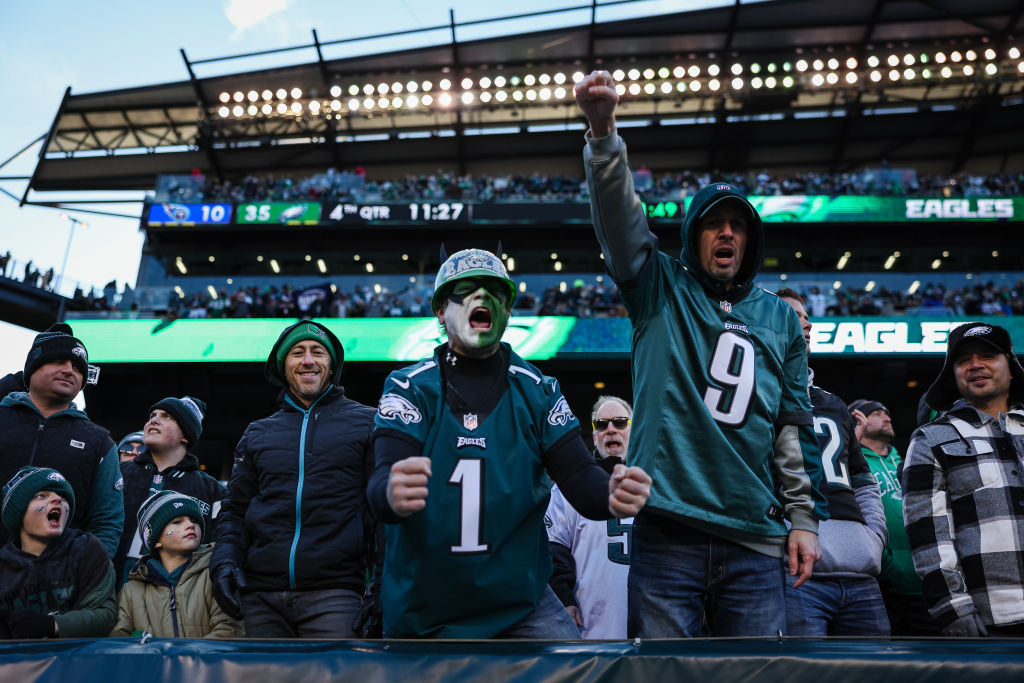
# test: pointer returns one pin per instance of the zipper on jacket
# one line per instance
(35, 443)
(298, 487)
(174, 612)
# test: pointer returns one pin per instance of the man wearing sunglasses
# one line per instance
(723, 418)
(591, 557)
(462, 441)
(130, 446)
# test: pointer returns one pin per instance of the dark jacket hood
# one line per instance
(752, 255)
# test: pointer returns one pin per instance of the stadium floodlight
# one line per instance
(923, 58)
(736, 69)
(467, 83)
(514, 81)
(396, 102)
(666, 88)
(755, 68)
(180, 265)
(649, 73)
(713, 70)
(224, 97)
(383, 88)
(843, 260)
(558, 268)
(894, 75)
(267, 95)
(518, 95)
(770, 81)
(335, 91)
(851, 63)
(353, 104)
(383, 102)
(445, 100)
(485, 82)
(971, 55)
(936, 264)
(396, 87)
(554, 256)
(499, 81)
(267, 109)
(955, 56)
(817, 80)
(314, 106)
(296, 93)
(282, 108)
(801, 65)
(926, 73)
(578, 76)
(995, 254)
(889, 262)
(511, 265)
(991, 69)
(634, 88)
(412, 86)
(832, 78)
(369, 268)
(695, 86)
(756, 82)
(621, 89)
(224, 112)
(893, 60)
(798, 254)
(870, 286)
(851, 77)
(485, 97)
(296, 107)
(321, 266)
(353, 90)
(559, 78)
(873, 61)
(714, 85)
(356, 257)
(837, 284)
(531, 95)
(275, 266)
(467, 97)
(908, 59)
(946, 72)
(650, 88)
(908, 74)
(1020, 67)
(818, 65)
(238, 96)
(237, 110)
(772, 68)
(501, 95)
(788, 81)
(663, 72)
(445, 84)
(427, 86)
(529, 79)
(368, 103)
(252, 95)
(560, 93)
(1014, 53)
(252, 110)
(335, 105)
(693, 71)
(634, 74)
(833, 64)
(412, 100)
(309, 257)
(940, 57)
(368, 89)
(968, 70)
(737, 83)
(990, 54)
(681, 86)
(544, 79)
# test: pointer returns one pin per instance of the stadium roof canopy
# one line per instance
(784, 84)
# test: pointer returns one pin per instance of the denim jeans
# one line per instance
(686, 583)
(549, 620)
(327, 613)
(835, 607)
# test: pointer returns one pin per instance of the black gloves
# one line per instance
(26, 623)
(228, 580)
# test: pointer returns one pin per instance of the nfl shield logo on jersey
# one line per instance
(726, 306)
(469, 421)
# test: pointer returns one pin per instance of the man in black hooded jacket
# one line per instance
(290, 553)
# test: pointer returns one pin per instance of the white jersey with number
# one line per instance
(600, 550)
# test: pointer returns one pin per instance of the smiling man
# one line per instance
(723, 419)
(42, 427)
(963, 497)
(171, 432)
(290, 550)
(463, 440)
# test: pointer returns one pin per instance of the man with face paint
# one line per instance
(463, 440)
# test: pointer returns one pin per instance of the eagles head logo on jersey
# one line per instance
(393, 406)
(561, 413)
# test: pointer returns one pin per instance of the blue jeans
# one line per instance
(326, 613)
(549, 620)
(686, 583)
(835, 607)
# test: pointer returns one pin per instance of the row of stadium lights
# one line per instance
(544, 87)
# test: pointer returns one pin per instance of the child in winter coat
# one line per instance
(55, 582)
(169, 593)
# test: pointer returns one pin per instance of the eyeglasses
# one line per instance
(496, 288)
(141, 448)
(600, 424)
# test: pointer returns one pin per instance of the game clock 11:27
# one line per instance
(440, 212)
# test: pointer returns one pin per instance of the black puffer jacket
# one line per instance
(293, 518)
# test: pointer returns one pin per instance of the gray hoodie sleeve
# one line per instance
(618, 215)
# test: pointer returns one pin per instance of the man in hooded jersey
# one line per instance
(722, 417)
(462, 441)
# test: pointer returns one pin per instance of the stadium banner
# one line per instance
(188, 214)
(532, 337)
(281, 213)
(765, 660)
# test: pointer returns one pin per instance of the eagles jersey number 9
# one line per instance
(732, 367)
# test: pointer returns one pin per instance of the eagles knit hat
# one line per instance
(56, 343)
(943, 392)
(292, 335)
(134, 436)
(24, 485)
(158, 510)
(867, 407)
(188, 412)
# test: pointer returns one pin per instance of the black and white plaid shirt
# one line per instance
(963, 504)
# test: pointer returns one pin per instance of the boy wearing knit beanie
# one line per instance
(43, 427)
(168, 593)
(57, 581)
(172, 430)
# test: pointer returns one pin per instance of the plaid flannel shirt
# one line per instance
(963, 504)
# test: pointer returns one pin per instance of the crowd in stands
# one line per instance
(355, 185)
(30, 274)
(982, 299)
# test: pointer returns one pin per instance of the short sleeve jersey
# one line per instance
(714, 381)
(475, 560)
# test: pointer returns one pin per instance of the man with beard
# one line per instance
(463, 440)
(291, 553)
(591, 557)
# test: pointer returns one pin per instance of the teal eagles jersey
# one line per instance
(714, 382)
(475, 560)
